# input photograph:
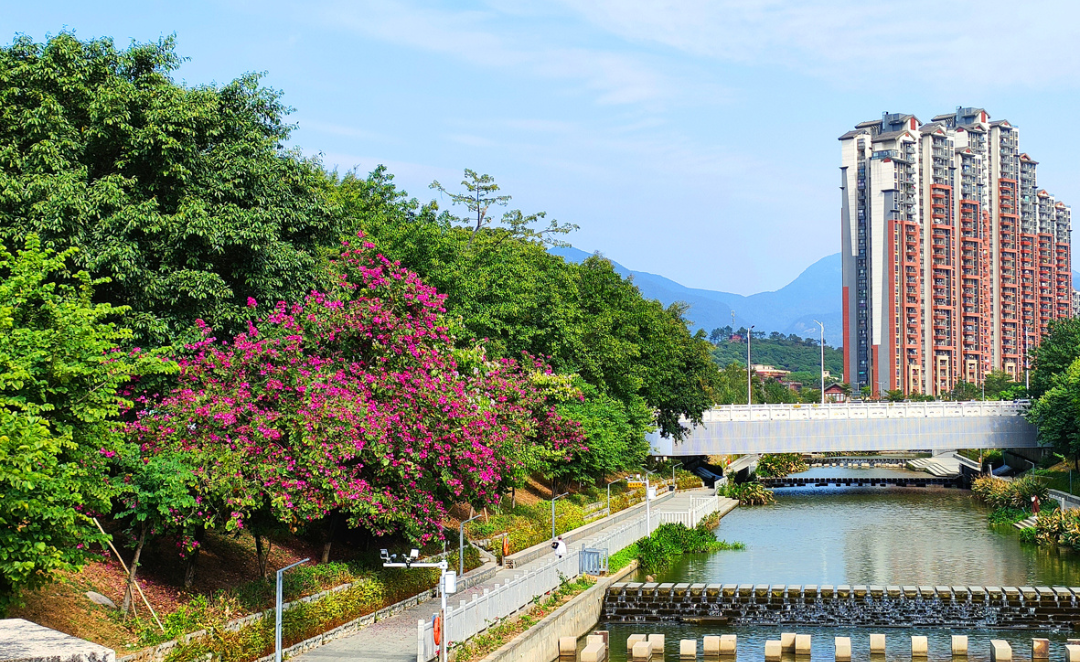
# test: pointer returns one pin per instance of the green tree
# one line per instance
(998, 385)
(1056, 413)
(1055, 353)
(184, 197)
(61, 375)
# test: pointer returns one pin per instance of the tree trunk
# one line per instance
(329, 538)
(130, 590)
(189, 570)
(262, 555)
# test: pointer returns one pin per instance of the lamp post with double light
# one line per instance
(447, 585)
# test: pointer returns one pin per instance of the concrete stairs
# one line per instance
(942, 466)
(1028, 523)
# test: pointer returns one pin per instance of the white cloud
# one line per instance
(496, 37)
(986, 43)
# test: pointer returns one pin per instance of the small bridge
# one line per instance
(847, 481)
(843, 427)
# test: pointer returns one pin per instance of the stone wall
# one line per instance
(1043, 607)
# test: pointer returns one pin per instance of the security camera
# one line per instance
(384, 555)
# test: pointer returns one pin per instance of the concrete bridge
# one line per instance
(877, 426)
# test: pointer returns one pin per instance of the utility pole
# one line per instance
(822, 360)
(749, 383)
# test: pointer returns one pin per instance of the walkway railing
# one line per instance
(861, 410)
(472, 617)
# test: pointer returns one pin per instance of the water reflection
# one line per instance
(921, 536)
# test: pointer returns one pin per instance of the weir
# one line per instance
(1043, 608)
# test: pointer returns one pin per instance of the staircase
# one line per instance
(942, 466)
(1028, 523)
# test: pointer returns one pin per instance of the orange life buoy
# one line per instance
(506, 546)
(438, 631)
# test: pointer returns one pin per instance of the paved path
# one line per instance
(394, 640)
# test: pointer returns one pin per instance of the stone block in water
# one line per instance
(641, 652)
(859, 591)
(657, 642)
(810, 591)
(843, 590)
(877, 644)
(761, 590)
(697, 589)
(1072, 652)
(1000, 651)
(911, 592)
(826, 591)
(1040, 649)
(918, 646)
(600, 637)
(787, 642)
(1063, 593)
(664, 589)
(567, 646)
(961, 593)
(893, 591)
(746, 590)
(632, 641)
(772, 650)
(688, 649)
(710, 645)
(959, 645)
(729, 644)
(842, 646)
(594, 652)
(926, 591)
(802, 645)
(728, 589)
(1029, 593)
(877, 591)
(1071, 642)
(777, 590)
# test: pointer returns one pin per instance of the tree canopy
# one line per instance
(183, 197)
(62, 381)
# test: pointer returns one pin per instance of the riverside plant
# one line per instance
(749, 494)
(1015, 494)
(354, 400)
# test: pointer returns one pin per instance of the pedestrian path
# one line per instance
(396, 639)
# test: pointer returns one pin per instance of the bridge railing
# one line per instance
(861, 410)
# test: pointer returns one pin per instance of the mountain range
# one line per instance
(814, 295)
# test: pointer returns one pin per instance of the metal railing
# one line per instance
(485, 609)
(862, 410)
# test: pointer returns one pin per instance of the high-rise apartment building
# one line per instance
(954, 261)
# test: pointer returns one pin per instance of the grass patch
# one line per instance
(1007, 516)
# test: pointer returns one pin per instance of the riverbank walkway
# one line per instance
(396, 639)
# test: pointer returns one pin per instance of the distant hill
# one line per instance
(814, 295)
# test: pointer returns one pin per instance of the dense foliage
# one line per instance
(61, 380)
(998, 493)
(182, 196)
(671, 540)
(749, 494)
(802, 356)
(780, 464)
(354, 401)
(502, 285)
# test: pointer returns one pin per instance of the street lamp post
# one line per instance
(553, 500)
(648, 502)
(277, 610)
(461, 546)
(822, 360)
(749, 367)
(447, 584)
(673, 473)
(609, 493)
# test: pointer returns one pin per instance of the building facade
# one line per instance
(954, 260)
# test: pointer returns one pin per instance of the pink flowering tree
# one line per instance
(353, 401)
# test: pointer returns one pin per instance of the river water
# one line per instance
(882, 536)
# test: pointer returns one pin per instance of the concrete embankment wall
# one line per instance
(575, 618)
(1042, 607)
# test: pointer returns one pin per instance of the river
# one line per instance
(882, 536)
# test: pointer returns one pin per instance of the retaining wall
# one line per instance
(575, 618)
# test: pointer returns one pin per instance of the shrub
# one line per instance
(780, 464)
(998, 493)
(670, 540)
(749, 494)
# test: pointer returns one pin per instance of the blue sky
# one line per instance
(696, 140)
